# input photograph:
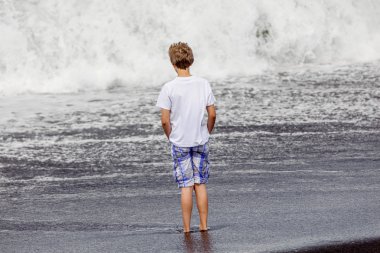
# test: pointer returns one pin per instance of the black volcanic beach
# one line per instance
(294, 167)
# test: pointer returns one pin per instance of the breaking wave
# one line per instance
(70, 46)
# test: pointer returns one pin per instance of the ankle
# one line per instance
(202, 227)
(186, 229)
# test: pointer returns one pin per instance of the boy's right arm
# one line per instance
(165, 121)
(211, 117)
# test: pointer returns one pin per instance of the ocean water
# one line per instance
(71, 46)
(295, 154)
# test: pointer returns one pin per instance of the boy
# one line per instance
(183, 102)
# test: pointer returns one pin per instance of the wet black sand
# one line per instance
(295, 167)
(362, 246)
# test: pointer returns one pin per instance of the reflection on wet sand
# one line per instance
(198, 242)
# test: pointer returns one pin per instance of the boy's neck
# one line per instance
(183, 72)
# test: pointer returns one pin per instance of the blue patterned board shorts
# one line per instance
(190, 164)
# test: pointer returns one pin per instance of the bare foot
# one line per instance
(202, 229)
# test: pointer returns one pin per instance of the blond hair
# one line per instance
(181, 55)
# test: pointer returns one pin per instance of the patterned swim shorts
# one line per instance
(190, 164)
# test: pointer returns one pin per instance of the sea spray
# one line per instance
(70, 46)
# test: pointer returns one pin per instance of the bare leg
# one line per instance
(202, 204)
(187, 206)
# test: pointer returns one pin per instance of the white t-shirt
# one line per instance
(187, 98)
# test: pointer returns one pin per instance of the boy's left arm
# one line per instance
(165, 121)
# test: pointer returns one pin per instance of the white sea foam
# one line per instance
(69, 46)
(80, 178)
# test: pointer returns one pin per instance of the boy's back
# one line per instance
(187, 98)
